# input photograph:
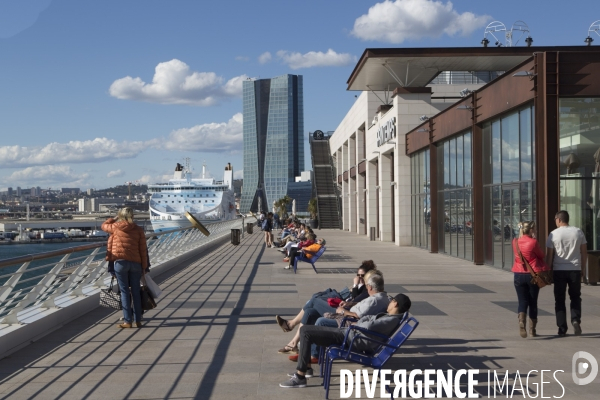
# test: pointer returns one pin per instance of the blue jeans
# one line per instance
(314, 309)
(527, 293)
(129, 275)
(328, 322)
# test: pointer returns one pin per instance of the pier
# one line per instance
(214, 336)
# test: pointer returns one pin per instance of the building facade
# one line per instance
(519, 144)
(273, 139)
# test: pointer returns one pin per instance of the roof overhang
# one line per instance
(388, 68)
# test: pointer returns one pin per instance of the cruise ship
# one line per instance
(206, 199)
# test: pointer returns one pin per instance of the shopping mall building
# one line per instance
(447, 149)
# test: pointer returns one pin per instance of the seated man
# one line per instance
(308, 251)
(377, 302)
(382, 323)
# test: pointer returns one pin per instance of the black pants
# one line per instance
(319, 335)
(294, 252)
(562, 280)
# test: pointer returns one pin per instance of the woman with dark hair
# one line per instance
(526, 249)
(128, 249)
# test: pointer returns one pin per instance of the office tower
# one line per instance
(273, 139)
(18, 191)
(9, 192)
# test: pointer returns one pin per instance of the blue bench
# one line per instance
(311, 260)
(387, 347)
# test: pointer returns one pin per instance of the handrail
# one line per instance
(49, 254)
(21, 297)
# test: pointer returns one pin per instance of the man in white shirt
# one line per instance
(566, 255)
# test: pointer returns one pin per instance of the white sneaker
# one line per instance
(287, 266)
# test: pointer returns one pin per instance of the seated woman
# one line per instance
(318, 305)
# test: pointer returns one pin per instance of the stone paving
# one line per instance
(214, 336)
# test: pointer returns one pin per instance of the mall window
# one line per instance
(420, 201)
(455, 217)
(508, 178)
(579, 134)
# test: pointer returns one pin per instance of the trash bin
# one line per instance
(372, 233)
(593, 267)
(249, 227)
(235, 236)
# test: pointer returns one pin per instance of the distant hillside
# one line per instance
(122, 190)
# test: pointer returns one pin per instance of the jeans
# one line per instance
(319, 307)
(129, 275)
(327, 322)
(320, 336)
(562, 280)
(527, 293)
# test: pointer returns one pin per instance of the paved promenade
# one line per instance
(214, 336)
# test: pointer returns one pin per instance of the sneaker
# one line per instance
(287, 266)
(308, 374)
(294, 382)
(577, 328)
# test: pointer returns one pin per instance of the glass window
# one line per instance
(510, 148)
(459, 162)
(496, 152)
(467, 159)
(526, 144)
(579, 133)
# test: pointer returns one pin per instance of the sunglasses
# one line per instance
(360, 275)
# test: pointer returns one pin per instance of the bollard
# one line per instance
(372, 234)
(249, 227)
(235, 236)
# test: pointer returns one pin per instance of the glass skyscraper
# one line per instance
(273, 139)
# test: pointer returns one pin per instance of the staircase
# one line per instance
(325, 188)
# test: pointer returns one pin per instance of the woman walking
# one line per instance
(127, 248)
(527, 251)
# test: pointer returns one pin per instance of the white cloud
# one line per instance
(48, 175)
(175, 83)
(238, 174)
(115, 174)
(265, 57)
(400, 20)
(242, 58)
(151, 179)
(99, 149)
(214, 137)
(315, 59)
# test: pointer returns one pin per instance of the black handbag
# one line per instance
(148, 302)
(110, 297)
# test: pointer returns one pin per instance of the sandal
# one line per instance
(283, 323)
(288, 349)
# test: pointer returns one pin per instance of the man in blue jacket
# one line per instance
(382, 323)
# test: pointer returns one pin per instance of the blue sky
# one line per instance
(78, 106)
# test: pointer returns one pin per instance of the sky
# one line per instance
(95, 94)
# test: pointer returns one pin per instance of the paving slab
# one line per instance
(214, 336)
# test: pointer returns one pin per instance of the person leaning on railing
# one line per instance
(128, 249)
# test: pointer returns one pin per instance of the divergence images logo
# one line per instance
(580, 367)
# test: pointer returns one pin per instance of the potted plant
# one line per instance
(312, 209)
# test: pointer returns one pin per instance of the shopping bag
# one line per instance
(152, 287)
(111, 297)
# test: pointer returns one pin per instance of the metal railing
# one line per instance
(43, 281)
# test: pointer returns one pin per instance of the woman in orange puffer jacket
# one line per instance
(128, 249)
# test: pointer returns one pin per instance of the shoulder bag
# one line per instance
(110, 297)
(542, 278)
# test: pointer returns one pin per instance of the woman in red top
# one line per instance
(527, 292)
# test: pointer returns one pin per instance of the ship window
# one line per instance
(180, 201)
(172, 201)
(206, 201)
(214, 195)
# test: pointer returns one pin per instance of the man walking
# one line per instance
(567, 257)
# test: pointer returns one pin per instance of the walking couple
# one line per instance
(566, 257)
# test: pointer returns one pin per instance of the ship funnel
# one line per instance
(228, 176)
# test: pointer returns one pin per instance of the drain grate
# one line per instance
(336, 270)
